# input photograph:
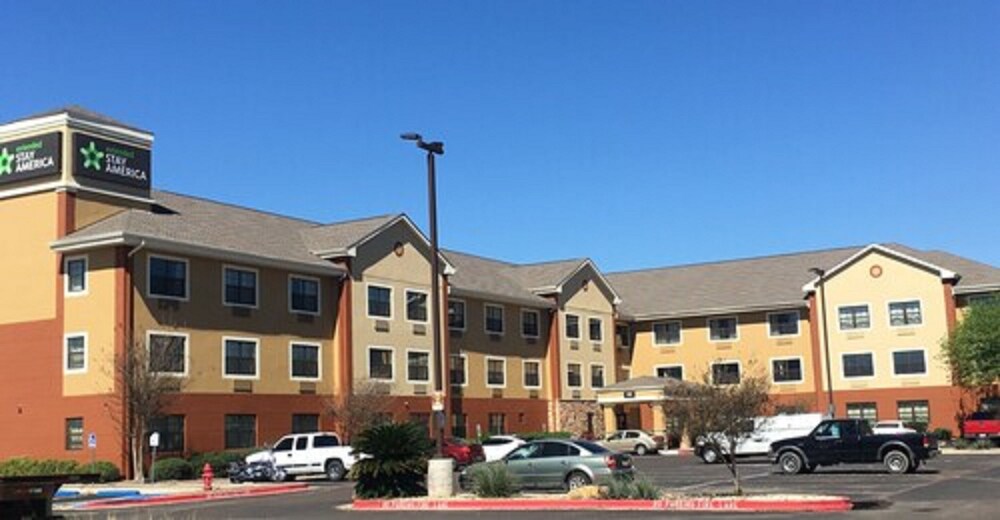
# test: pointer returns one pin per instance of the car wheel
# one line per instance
(279, 475)
(896, 462)
(641, 450)
(790, 463)
(576, 480)
(335, 470)
(710, 456)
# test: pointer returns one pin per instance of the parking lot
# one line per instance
(959, 486)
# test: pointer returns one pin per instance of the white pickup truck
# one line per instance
(307, 454)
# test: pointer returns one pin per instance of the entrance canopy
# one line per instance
(646, 389)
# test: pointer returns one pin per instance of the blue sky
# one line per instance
(636, 133)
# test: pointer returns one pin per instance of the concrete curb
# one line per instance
(180, 498)
(707, 504)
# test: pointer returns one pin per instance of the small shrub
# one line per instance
(25, 467)
(493, 481)
(628, 488)
(618, 489)
(960, 444)
(397, 464)
(534, 436)
(942, 434)
(108, 471)
(172, 468)
(218, 460)
(982, 444)
(646, 490)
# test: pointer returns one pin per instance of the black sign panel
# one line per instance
(110, 161)
(31, 157)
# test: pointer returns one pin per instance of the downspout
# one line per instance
(129, 338)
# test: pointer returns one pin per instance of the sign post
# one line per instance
(154, 442)
(92, 445)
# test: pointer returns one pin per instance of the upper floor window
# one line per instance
(241, 287)
(76, 275)
(305, 361)
(494, 319)
(596, 326)
(858, 365)
(458, 370)
(572, 326)
(854, 317)
(76, 353)
(456, 314)
(675, 371)
(167, 353)
(725, 373)
(909, 362)
(574, 378)
(240, 358)
(623, 336)
(597, 376)
(304, 294)
(380, 363)
(379, 301)
(532, 374)
(787, 370)
(496, 372)
(783, 323)
(168, 278)
(529, 323)
(418, 366)
(722, 329)
(667, 333)
(905, 313)
(416, 305)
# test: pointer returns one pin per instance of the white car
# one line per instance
(759, 436)
(891, 427)
(319, 453)
(495, 447)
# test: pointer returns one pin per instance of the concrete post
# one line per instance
(440, 478)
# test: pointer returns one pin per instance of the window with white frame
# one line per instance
(722, 329)
(240, 358)
(788, 370)
(572, 326)
(529, 323)
(457, 370)
(496, 371)
(597, 376)
(675, 372)
(494, 318)
(305, 361)
(667, 333)
(167, 353)
(909, 362)
(456, 314)
(858, 365)
(853, 317)
(596, 329)
(379, 301)
(783, 323)
(418, 366)
(532, 374)
(380, 363)
(74, 433)
(76, 353)
(727, 373)
(168, 278)
(914, 413)
(902, 314)
(416, 305)
(75, 268)
(241, 287)
(574, 376)
(303, 294)
(865, 410)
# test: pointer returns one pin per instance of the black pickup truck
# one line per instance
(851, 441)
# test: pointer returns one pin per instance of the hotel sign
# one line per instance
(109, 161)
(30, 157)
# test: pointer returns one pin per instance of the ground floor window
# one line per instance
(725, 373)
(74, 433)
(241, 431)
(305, 423)
(171, 430)
(497, 423)
(866, 411)
(915, 414)
(458, 422)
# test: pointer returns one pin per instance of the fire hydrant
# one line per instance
(206, 477)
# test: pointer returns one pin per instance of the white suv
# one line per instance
(307, 454)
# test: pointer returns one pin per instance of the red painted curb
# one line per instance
(687, 504)
(179, 498)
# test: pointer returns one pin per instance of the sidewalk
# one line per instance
(130, 494)
(953, 451)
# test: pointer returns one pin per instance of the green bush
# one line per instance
(960, 444)
(942, 434)
(534, 436)
(397, 464)
(24, 467)
(493, 480)
(982, 444)
(631, 488)
(108, 471)
(218, 460)
(172, 468)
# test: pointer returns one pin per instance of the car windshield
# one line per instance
(591, 447)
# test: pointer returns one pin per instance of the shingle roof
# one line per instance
(79, 112)
(545, 274)
(342, 235)
(484, 276)
(972, 273)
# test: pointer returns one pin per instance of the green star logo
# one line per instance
(92, 156)
(6, 163)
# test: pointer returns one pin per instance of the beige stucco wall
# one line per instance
(586, 300)
(29, 267)
(93, 314)
(899, 281)
(207, 321)
(92, 207)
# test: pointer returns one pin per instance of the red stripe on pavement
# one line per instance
(688, 504)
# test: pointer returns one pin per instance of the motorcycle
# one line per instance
(257, 471)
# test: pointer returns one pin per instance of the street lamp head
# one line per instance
(410, 136)
(817, 271)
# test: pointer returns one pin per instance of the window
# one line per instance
(456, 314)
(908, 362)
(241, 358)
(853, 317)
(529, 323)
(241, 431)
(496, 372)
(74, 433)
(303, 294)
(532, 374)
(902, 314)
(572, 326)
(380, 363)
(171, 430)
(168, 278)
(786, 370)
(306, 423)
(725, 373)
(667, 333)
(76, 275)
(597, 376)
(416, 306)
(167, 353)
(573, 377)
(914, 414)
(783, 323)
(305, 361)
(722, 329)
(418, 366)
(458, 422)
(676, 372)
(241, 287)
(76, 353)
(596, 327)
(497, 423)
(623, 336)
(866, 411)
(325, 441)
(858, 365)
(458, 369)
(494, 319)
(379, 302)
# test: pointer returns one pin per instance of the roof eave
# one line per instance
(945, 274)
(482, 295)
(716, 311)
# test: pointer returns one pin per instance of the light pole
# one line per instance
(820, 274)
(434, 148)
